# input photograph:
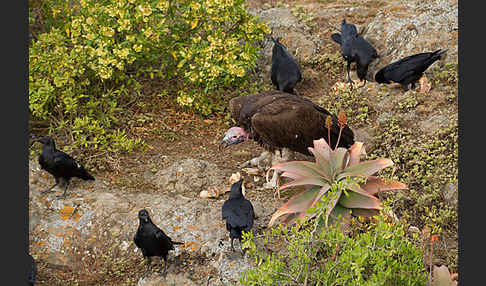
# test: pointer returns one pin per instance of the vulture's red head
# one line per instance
(234, 135)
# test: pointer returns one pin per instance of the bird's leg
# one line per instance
(412, 86)
(165, 265)
(50, 189)
(405, 86)
(65, 189)
(257, 160)
(232, 247)
(149, 261)
(348, 68)
(364, 83)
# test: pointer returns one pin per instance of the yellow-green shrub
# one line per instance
(81, 69)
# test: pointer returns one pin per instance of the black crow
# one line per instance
(152, 241)
(284, 72)
(60, 165)
(408, 70)
(364, 54)
(354, 48)
(33, 271)
(238, 213)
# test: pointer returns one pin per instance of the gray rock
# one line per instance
(189, 176)
(384, 118)
(449, 193)
(365, 135)
(104, 222)
(295, 35)
(433, 123)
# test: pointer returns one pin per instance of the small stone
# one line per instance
(449, 193)
(414, 229)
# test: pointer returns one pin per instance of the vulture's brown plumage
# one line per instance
(279, 120)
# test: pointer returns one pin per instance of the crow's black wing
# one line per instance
(403, 68)
(240, 215)
(64, 162)
(250, 215)
(226, 210)
(336, 37)
(136, 239)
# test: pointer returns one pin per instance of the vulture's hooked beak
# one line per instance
(228, 141)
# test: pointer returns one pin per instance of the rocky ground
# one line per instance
(86, 239)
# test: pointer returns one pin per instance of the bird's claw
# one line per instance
(273, 183)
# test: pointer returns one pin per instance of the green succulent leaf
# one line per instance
(340, 213)
(298, 203)
(305, 181)
(355, 152)
(299, 169)
(322, 157)
(356, 200)
(365, 169)
(339, 158)
(331, 204)
(376, 185)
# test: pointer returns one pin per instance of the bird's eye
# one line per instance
(234, 136)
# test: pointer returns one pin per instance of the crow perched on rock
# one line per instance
(152, 241)
(60, 165)
(33, 271)
(238, 213)
(354, 48)
(409, 69)
(284, 72)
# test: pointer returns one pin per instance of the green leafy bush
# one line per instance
(89, 61)
(426, 163)
(355, 102)
(382, 255)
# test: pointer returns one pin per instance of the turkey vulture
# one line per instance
(277, 120)
(151, 240)
(284, 72)
(60, 165)
(409, 69)
(238, 213)
(354, 48)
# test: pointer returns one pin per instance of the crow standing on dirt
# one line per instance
(284, 72)
(409, 69)
(152, 241)
(354, 48)
(33, 271)
(238, 213)
(60, 165)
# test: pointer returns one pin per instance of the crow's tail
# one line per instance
(438, 54)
